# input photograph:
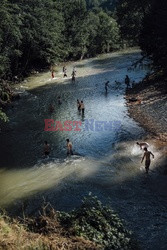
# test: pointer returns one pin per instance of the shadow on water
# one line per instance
(137, 198)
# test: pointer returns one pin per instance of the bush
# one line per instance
(98, 223)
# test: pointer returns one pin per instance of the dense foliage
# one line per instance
(153, 39)
(98, 223)
(144, 23)
(35, 34)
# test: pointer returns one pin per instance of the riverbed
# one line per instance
(106, 160)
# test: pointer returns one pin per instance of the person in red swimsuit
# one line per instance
(53, 74)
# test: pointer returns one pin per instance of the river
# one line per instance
(105, 163)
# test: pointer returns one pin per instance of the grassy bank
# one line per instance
(92, 226)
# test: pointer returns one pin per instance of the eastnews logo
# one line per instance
(88, 125)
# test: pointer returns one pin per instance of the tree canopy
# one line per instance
(144, 23)
(35, 34)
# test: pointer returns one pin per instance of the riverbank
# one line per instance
(147, 105)
(14, 235)
(90, 227)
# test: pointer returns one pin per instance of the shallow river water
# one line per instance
(105, 163)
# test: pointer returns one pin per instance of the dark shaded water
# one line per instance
(106, 163)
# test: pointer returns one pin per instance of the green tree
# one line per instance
(74, 13)
(130, 14)
(42, 27)
(10, 37)
(153, 39)
(108, 35)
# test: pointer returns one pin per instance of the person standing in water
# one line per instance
(82, 107)
(65, 72)
(79, 105)
(106, 86)
(127, 81)
(51, 108)
(74, 70)
(73, 75)
(59, 100)
(69, 147)
(147, 155)
(46, 149)
(53, 76)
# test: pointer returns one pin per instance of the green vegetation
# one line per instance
(92, 226)
(37, 34)
(98, 223)
(144, 23)
(153, 39)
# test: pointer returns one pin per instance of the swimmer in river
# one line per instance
(46, 149)
(147, 155)
(69, 147)
(142, 144)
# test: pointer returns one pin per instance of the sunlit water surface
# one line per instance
(106, 163)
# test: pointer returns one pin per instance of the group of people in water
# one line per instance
(127, 82)
(73, 75)
(51, 106)
(81, 108)
(47, 148)
(143, 145)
